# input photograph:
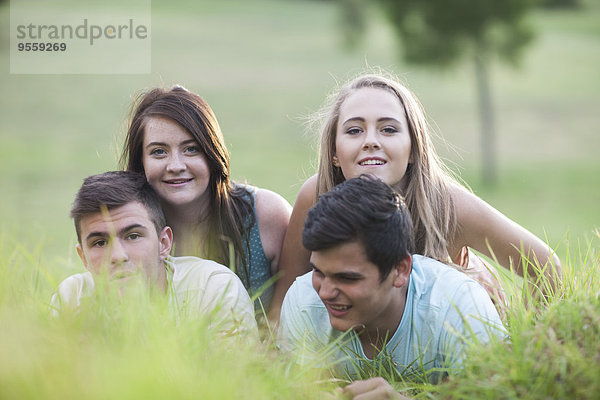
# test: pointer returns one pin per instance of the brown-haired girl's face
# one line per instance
(174, 164)
(373, 136)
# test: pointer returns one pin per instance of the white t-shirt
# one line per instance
(195, 287)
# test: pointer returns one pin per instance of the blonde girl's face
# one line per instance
(373, 136)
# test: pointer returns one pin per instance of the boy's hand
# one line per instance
(374, 388)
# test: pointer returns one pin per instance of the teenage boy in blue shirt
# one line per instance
(367, 297)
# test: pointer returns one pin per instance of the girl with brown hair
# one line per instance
(174, 139)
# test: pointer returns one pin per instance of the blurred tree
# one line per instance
(442, 32)
(563, 4)
(352, 21)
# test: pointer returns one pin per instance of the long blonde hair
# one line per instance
(426, 193)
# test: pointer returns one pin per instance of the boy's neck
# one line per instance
(374, 338)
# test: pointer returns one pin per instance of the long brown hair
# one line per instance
(230, 205)
(427, 191)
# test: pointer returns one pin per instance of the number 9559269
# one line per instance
(48, 46)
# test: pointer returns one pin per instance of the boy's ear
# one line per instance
(165, 242)
(81, 255)
(402, 271)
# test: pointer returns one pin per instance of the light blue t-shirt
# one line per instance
(444, 309)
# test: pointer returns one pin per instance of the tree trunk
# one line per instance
(486, 119)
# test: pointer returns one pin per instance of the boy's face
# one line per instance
(122, 243)
(351, 289)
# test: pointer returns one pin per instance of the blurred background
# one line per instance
(266, 65)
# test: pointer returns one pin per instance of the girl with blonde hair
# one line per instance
(375, 125)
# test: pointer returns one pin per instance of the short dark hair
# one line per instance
(115, 189)
(366, 210)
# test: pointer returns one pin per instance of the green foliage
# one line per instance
(554, 349)
(129, 346)
(438, 32)
(352, 21)
(564, 4)
(125, 346)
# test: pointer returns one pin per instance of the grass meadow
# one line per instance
(264, 66)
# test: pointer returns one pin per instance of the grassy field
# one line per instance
(264, 66)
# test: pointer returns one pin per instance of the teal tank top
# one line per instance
(256, 261)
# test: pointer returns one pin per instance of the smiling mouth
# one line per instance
(339, 308)
(372, 162)
(178, 181)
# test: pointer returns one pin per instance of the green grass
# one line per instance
(122, 347)
(263, 65)
(131, 347)
(553, 351)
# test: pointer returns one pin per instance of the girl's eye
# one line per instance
(353, 131)
(158, 152)
(192, 149)
(389, 130)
